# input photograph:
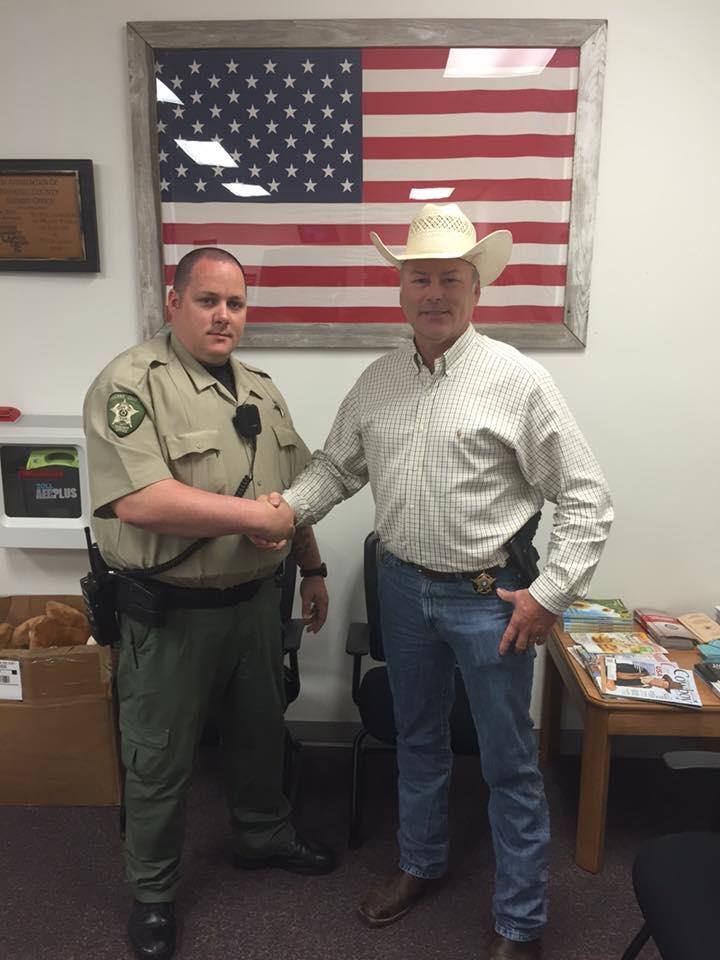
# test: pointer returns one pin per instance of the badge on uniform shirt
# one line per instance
(125, 413)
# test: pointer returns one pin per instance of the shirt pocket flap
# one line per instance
(144, 738)
(286, 436)
(196, 441)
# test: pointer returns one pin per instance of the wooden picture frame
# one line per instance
(589, 37)
(47, 216)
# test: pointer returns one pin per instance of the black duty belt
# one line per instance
(199, 598)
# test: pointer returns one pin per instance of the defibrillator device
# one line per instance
(42, 482)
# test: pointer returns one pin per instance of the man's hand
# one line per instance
(277, 524)
(529, 623)
(275, 500)
(314, 596)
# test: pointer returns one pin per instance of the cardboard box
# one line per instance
(58, 745)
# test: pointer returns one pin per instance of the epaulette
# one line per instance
(260, 373)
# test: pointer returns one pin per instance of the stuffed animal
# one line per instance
(49, 632)
(60, 626)
(21, 633)
(6, 633)
(69, 617)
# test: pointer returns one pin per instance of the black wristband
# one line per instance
(320, 571)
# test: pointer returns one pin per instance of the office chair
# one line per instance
(372, 695)
(291, 635)
(677, 884)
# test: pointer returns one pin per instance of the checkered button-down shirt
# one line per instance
(459, 458)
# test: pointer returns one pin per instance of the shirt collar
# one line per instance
(452, 356)
(202, 379)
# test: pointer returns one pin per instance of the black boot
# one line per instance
(152, 930)
(298, 856)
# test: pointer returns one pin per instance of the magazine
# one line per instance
(647, 679)
(610, 615)
(594, 664)
(612, 643)
(710, 673)
(639, 677)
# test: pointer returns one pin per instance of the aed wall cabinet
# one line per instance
(44, 491)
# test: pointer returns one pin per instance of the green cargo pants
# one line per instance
(226, 661)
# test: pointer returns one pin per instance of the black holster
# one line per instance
(143, 602)
(521, 551)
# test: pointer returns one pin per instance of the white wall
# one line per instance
(645, 391)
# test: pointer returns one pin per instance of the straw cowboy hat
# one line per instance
(445, 233)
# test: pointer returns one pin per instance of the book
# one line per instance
(702, 626)
(639, 677)
(665, 628)
(610, 616)
(710, 673)
(614, 643)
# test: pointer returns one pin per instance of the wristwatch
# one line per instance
(320, 571)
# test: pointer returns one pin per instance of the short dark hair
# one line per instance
(184, 269)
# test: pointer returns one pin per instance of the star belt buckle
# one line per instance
(483, 583)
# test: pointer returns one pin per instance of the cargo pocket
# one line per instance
(145, 752)
(288, 442)
(195, 459)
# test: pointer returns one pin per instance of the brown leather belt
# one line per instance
(482, 580)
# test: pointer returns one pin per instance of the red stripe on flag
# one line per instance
(385, 315)
(521, 274)
(338, 234)
(469, 101)
(433, 148)
(393, 191)
(384, 276)
(435, 58)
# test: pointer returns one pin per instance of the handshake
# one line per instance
(275, 525)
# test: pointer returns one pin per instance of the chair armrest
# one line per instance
(358, 640)
(292, 634)
(692, 759)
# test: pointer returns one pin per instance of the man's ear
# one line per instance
(173, 302)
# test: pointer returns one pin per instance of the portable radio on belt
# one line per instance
(98, 592)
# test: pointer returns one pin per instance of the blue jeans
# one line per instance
(429, 626)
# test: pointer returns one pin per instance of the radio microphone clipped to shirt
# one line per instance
(247, 421)
(248, 426)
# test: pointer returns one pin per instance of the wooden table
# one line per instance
(603, 719)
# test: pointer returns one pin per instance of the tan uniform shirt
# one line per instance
(186, 433)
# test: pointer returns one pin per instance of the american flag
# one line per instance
(341, 140)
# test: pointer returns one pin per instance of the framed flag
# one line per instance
(287, 142)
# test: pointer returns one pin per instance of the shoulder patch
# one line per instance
(125, 413)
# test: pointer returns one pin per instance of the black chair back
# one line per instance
(371, 556)
(287, 599)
